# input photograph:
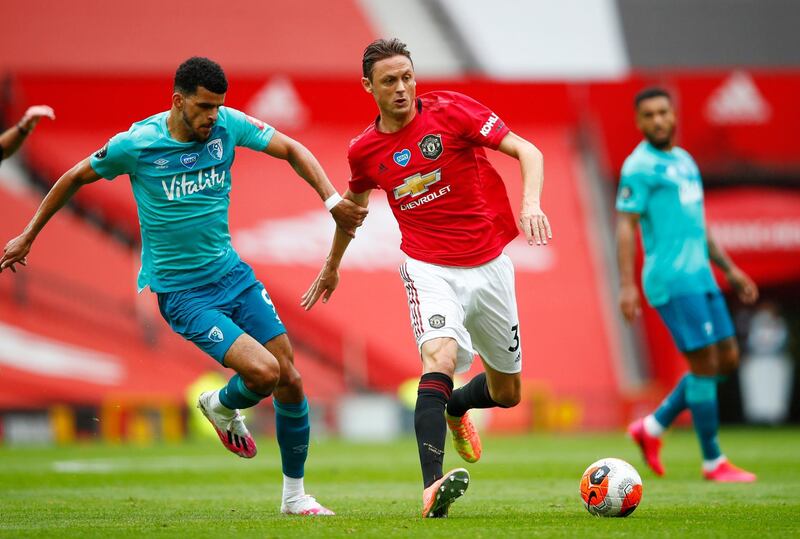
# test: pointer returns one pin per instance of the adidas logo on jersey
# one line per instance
(738, 101)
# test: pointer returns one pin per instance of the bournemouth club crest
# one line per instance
(431, 146)
(215, 148)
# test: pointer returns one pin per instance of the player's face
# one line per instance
(393, 86)
(199, 112)
(655, 118)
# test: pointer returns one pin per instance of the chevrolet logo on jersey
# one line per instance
(417, 184)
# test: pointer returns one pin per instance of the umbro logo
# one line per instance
(161, 163)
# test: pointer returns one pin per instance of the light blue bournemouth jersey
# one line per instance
(182, 191)
(666, 190)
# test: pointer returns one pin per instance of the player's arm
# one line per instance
(17, 249)
(328, 278)
(744, 286)
(348, 215)
(629, 301)
(12, 139)
(532, 219)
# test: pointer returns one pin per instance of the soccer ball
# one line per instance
(611, 488)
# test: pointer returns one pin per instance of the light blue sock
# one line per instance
(236, 395)
(701, 398)
(293, 433)
(673, 405)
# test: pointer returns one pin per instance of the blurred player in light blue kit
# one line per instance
(661, 190)
(179, 164)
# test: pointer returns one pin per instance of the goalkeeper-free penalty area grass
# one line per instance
(523, 486)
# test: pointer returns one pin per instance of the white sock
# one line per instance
(711, 465)
(216, 404)
(292, 488)
(653, 427)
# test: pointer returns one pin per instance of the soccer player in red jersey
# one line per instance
(427, 153)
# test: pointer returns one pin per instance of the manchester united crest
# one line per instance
(436, 321)
(431, 146)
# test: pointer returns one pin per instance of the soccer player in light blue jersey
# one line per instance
(662, 192)
(179, 164)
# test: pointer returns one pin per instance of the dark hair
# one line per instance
(199, 71)
(381, 49)
(650, 93)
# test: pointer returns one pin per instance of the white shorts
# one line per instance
(475, 306)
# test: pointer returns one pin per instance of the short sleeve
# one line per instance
(248, 131)
(359, 182)
(633, 192)
(115, 158)
(477, 123)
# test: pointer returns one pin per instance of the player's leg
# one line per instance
(257, 373)
(689, 322)
(701, 399)
(493, 324)
(727, 350)
(293, 431)
(444, 345)
(200, 315)
(439, 358)
(255, 312)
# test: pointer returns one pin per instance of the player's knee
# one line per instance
(440, 356)
(506, 397)
(290, 378)
(263, 376)
(729, 359)
(705, 361)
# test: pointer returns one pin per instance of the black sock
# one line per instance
(473, 395)
(429, 424)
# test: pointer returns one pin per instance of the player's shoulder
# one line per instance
(228, 113)
(640, 161)
(144, 132)
(358, 142)
(682, 153)
(441, 100)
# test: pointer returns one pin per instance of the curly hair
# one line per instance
(199, 71)
(381, 49)
(650, 93)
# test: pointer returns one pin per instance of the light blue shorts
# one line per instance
(214, 315)
(697, 320)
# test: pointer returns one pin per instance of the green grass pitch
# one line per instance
(523, 487)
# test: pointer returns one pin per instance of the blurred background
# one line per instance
(83, 357)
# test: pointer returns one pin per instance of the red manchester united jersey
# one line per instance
(450, 203)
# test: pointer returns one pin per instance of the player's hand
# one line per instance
(349, 216)
(629, 302)
(324, 285)
(15, 252)
(34, 114)
(535, 225)
(744, 286)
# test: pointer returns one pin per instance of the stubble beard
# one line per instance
(197, 137)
